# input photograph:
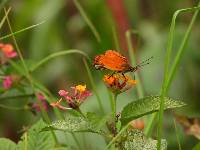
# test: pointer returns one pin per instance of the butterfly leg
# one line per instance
(133, 76)
(123, 75)
(112, 74)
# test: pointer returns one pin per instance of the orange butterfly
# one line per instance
(114, 61)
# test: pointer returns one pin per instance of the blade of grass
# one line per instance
(56, 54)
(16, 97)
(93, 85)
(22, 30)
(87, 20)
(12, 107)
(177, 137)
(28, 76)
(182, 46)
(165, 86)
(4, 18)
(140, 91)
(115, 37)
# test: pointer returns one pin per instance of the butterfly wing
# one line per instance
(111, 60)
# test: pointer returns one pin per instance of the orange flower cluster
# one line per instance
(119, 83)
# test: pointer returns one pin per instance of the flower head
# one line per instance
(41, 100)
(7, 82)
(8, 50)
(119, 83)
(74, 98)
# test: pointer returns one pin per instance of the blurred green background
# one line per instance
(65, 28)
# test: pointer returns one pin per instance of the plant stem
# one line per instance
(16, 97)
(56, 54)
(177, 137)
(93, 86)
(140, 90)
(28, 76)
(117, 136)
(19, 31)
(12, 107)
(115, 37)
(167, 79)
(4, 18)
(76, 140)
(87, 20)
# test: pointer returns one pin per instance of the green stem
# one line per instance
(12, 107)
(114, 103)
(56, 54)
(167, 79)
(16, 97)
(140, 90)
(177, 137)
(117, 136)
(4, 18)
(115, 37)
(76, 140)
(182, 48)
(87, 20)
(93, 86)
(28, 76)
(19, 31)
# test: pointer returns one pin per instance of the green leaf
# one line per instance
(196, 147)
(90, 123)
(136, 140)
(6, 144)
(34, 139)
(147, 105)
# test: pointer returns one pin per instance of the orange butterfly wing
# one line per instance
(112, 60)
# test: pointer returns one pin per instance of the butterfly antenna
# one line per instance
(145, 62)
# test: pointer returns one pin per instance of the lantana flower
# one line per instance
(40, 99)
(73, 98)
(8, 50)
(7, 82)
(118, 83)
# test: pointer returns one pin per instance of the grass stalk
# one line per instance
(28, 76)
(22, 30)
(177, 137)
(115, 38)
(87, 20)
(93, 85)
(4, 18)
(56, 54)
(140, 90)
(11, 107)
(167, 79)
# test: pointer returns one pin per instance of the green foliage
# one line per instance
(136, 140)
(146, 106)
(197, 147)
(90, 123)
(6, 144)
(33, 139)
